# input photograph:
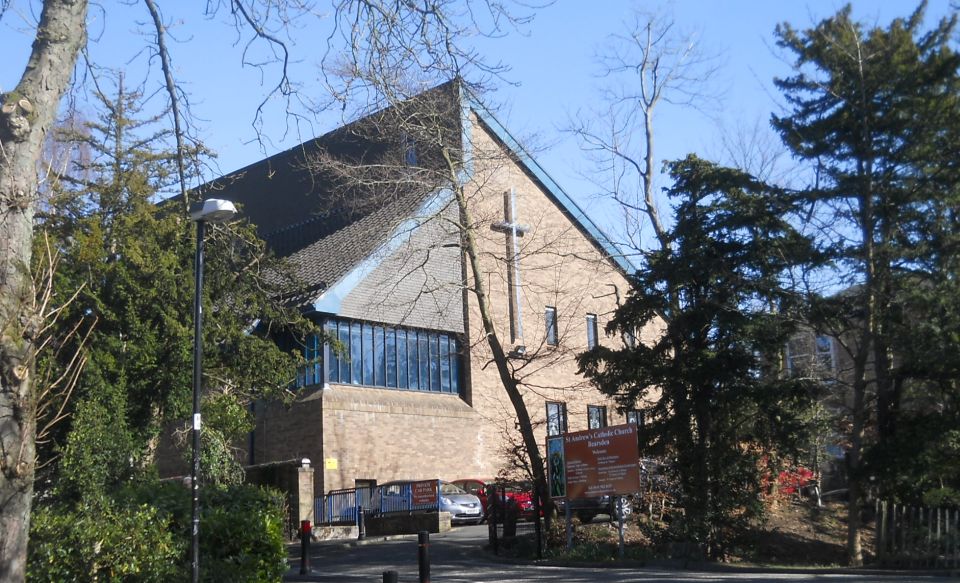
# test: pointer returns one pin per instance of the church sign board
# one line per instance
(602, 462)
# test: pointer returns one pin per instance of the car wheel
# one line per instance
(585, 516)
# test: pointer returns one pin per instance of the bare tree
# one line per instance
(652, 63)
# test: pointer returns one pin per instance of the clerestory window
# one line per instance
(386, 356)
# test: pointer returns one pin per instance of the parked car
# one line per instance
(396, 496)
(464, 508)
(518, 494)
(586, 509)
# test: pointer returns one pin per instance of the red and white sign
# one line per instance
(423, 493)
(602, 462)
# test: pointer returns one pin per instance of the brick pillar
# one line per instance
(304, 492)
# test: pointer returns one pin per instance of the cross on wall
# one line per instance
(513, 230)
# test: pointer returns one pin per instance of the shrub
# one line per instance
(144, 535)
(241, 535)
(102, 541)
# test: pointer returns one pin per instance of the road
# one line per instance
(458, 557)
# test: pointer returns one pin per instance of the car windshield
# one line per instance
(447, 488)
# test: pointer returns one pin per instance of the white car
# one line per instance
(464, 508)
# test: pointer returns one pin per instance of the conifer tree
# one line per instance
(127, 263)
(876, 113)
(717, 288)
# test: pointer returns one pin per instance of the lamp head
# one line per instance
(212, 210)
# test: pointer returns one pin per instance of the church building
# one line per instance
(395, 225)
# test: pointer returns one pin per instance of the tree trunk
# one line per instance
(27, 113)
(500, 358)
(854, 455)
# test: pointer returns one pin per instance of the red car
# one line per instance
(515, 494)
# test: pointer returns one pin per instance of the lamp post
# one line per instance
(208, 211)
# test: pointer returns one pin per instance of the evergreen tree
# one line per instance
(876, 112)
(722, 400)
(128, 262)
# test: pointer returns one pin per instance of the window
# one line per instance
(823, 354)
(635, 417)
(379, 358)
(444, 363)
(413, 360)
(592, 331)
(354, 355)
(409, 150)
(393, 358)
(402, 359)
(391, 340)
(331, 329)
(310, 373)
(367, 357)
(810, 355)
(556, 418)
(596, 416)
(550, 317)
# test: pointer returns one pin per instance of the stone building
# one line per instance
(373, 217)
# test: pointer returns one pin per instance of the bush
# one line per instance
(103, 541)
(144, 535)
(241, 535)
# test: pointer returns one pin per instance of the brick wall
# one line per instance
(355, 432)
(560, 268)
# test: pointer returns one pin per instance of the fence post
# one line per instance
(881, 531)
(423, 555)
(361, 523)
(951, 546)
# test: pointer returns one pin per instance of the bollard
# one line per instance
(305, 533)
(492, 517)
(538, 528)
(390, 577)
(361, 523)
(423, 552)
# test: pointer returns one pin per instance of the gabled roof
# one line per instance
(326, 225)
(553, 190)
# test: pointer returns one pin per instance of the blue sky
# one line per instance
(552, 65)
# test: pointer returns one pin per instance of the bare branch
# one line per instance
(171, 86)
(650, 63)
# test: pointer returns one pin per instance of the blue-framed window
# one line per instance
(390, 357)
(311, 372)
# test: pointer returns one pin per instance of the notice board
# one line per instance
(601, 462)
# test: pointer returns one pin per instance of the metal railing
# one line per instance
(407, 497)
(340, 507)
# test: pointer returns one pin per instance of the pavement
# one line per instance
(458, 556)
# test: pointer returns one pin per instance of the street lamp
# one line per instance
(208, 211)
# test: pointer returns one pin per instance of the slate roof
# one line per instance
(324, 224)
(316, 219)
